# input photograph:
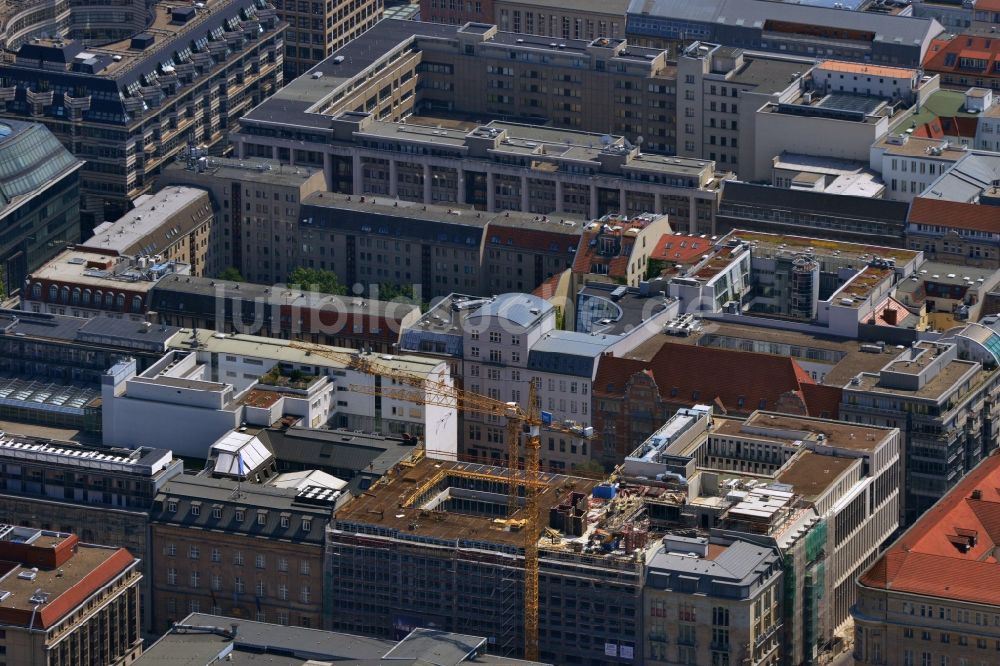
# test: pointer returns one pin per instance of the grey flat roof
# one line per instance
(341, 449)
(522, 309)
(966, 180)
(194, 643)
(635, 309)
(253, 169)
(738, 564)
(768, 74)
(752, 14)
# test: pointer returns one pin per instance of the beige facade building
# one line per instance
(246, 551)
(722, 606)
(63, 602)
(587, 19)
(932, 597)
(175, 224)
(256, 205)
(317, 29)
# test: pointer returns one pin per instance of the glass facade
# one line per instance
(39, 201)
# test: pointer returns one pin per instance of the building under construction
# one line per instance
(432, 546)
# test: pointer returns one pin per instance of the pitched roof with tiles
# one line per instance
(951, 551)
(704, 374)
(947, 56)
(954, 214)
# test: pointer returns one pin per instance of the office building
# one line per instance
(245, 550)
(788, 28)
(824, 493)
(633, 397)
(67, 602)
(317, 29)
(280, 311)
(131, 105)
(371, 242)
(39, 205)
(818, 214)
(200, 638)
(256, 206)
(418, 570)
(175, 224)
(727, 597)
(346, 121)
(581, 20)
(938, 395)
(99, 493)
(719, 91)
(931, 597)
(909, 164)
(89, 282)
(954, 232)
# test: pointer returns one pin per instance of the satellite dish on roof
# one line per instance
(606, 140)
(639, 139)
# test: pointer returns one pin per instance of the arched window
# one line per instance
(64, 295)
(86, 297)
(120, 302)
(53, 293)
(76, 296)
(137, 304)
(36, 291)
(109, 299)
(98, 295)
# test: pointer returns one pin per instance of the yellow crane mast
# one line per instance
(427, 391)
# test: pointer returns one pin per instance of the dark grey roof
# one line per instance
(626, 313)
(324, 210)
(343, 453)
(106, 331)
(524, 310)
(436, 647)
(568, 353)
(735, 192)
(201, 639)
(740, 567)
(750, 13)
(185, 491)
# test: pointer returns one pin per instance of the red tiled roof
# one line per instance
(963, 46)
(681, 249)
(822, 400)
(929, 130)
(928, 559)
(540, 240)
(954, 214)
(547, 289)
(721, 375)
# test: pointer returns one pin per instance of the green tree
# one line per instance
(232, 274)
(590, 469)
(314, 279)
(654, 268)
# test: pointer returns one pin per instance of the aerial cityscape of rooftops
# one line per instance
(638, 332)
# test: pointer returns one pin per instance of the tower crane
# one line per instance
(423, 390)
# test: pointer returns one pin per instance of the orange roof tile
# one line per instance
(955, 214)
(873, 70)
(947, 552)
(963, 46)
(738, 381)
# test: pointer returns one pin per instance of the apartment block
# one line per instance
(67, 602)
(619, 247)
(176, 225)
(256, 204)
(317, 29)
(930, 597)
(939, 395)
(40, 211)
(243, 550)
(965, 60)
(92, 282)
(954, 232)
(132, 105)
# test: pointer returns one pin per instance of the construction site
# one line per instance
(435, 546)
